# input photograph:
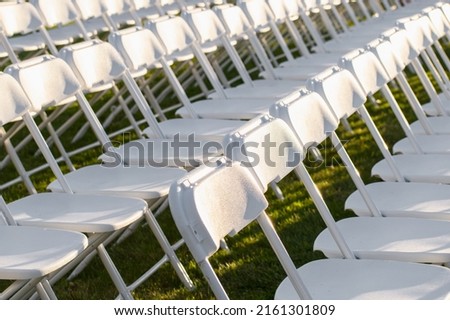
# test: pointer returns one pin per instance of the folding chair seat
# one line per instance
(30, 254)
(62, 21)
(101, 216)
(233, 211)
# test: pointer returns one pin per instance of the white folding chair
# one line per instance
(192, 209)
(150, 184)
(30, 254)
(62, 21)
(22, 31)
(35, 32)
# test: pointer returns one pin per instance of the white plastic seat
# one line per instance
(233, 211)
(30, 254)
(394, 199)
(335, 279)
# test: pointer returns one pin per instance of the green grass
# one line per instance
(249, 269)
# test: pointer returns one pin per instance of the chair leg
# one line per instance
(283, 256)
(168, 250)
(213, 280)
(114, 273)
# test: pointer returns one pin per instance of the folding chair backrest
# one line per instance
(268, 146)
(47, 81)
(114, 7)
(386, 54)
(292, 7)
(56, 12)
(445, 7)
(19, 18)
(174, 33)
(89, 8)
(14, 101)
(258, 13)
(141, 4)
(419, 31)
(339, 89)
(309, 116)
(139, 47)
(234, 19)
(212, 202)
(406, 50)
(94, 62)
(279, 10)
(441, 25)
(206, 24)
(366, 68)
